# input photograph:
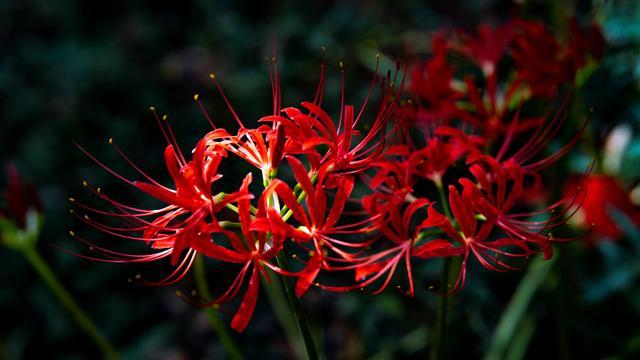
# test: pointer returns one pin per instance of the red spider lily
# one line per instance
(502, 187)
(187, 218)
(585, 41)
(523, 156)
(348, 152)
(392, 184)
(539, 60)
(542, 66)
(604, 193)
(488, 47)
(318, 229)
(486, 50)
(433, 160)
(20, 198)
(263, 147)
(474, 237)
(432, 81)
(489, 110)
(408, 241)
(394, 178)
(396, 226)
(254, 254)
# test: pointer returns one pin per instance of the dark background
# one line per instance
(86, 71)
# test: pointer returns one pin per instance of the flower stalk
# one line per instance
(439, 336)
(81, 318)
(298, 312)
(221, 331)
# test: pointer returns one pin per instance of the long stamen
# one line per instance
(224, 97)
(196, 97)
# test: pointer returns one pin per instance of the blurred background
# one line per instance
(83, 71)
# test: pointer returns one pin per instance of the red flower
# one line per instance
(433, 160)
(473, 237)
(188, 216)
(432, 82)
(392, 185)
(407, 241)
(603, 195)
(318, 229)
(254, 254)
(350, 152)
(488, 47)
(539, 60)
(263, 148)
(502, 187)
(524, 155)
(587, 40)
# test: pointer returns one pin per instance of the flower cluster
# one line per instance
(382, 187)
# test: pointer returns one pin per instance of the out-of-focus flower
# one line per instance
(21, 216)
(604, 195)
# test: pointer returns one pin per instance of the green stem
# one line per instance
(296, 308)
(294, 302)
(439, 336)
(443, 200)
(280, 305)
(203, 289)
(41, 267)
(517, 307)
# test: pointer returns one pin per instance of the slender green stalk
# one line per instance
(443, 200)
(296, 308)
(294, 302)
(439, 335)
(522, 338)
(280, 305)
(203, 289)
(41, 267)
(515, 311)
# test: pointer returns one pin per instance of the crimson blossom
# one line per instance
(378, 189)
